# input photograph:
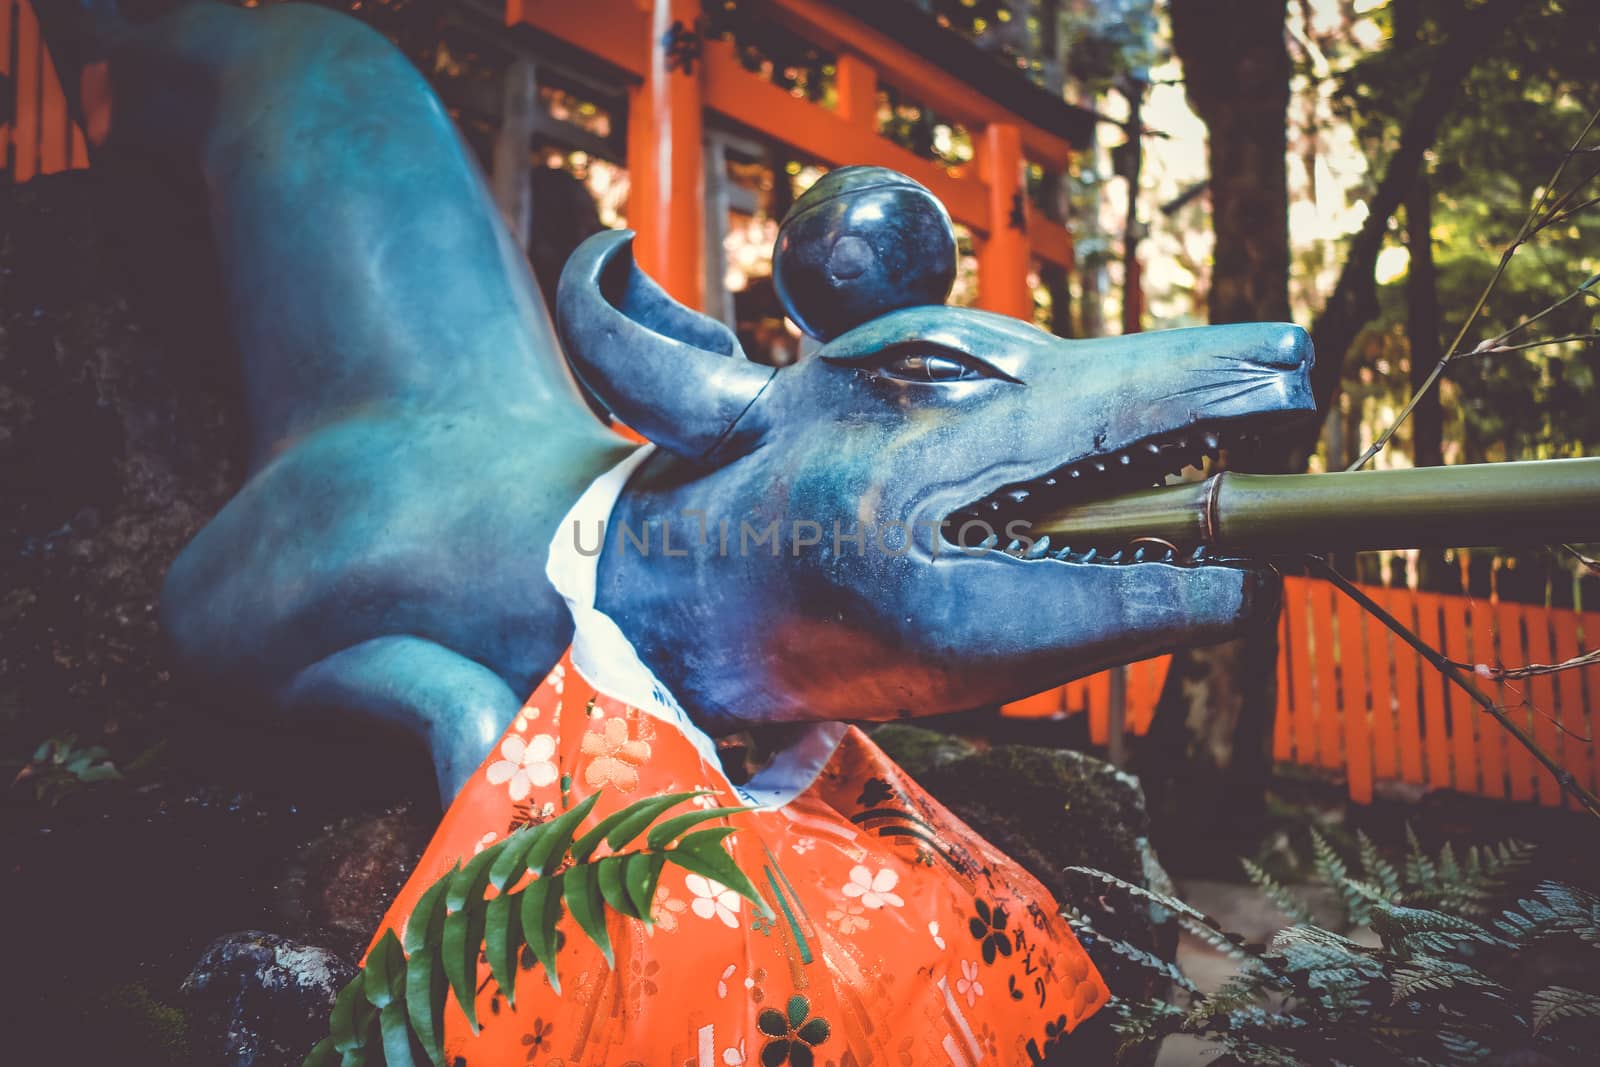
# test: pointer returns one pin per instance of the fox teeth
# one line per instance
(1038, 548)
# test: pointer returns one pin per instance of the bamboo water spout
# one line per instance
(1482, 504)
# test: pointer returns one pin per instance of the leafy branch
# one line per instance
(393, 1011)
(1543, 214)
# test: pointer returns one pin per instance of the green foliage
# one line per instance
(393, 1011)
(1461, 972)
(59, 768)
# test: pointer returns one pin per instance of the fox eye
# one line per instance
(930, 364)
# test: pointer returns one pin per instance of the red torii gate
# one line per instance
(669, 103)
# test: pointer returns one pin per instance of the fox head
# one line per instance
(848, 537)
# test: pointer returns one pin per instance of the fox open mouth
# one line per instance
(1002, 521)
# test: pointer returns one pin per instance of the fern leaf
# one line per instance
(463, 931)
(582, 897)
(1430, 974)
(1379, 871)
(426, 984)
(541, 911)
(1562, 1002)
(1413, 929)
(1171, 903)
(640, 873)
(1149, 961)
(555, 840)
(702, 853)
(1420, 873)
(502, 941)
(667, 831)
(1332, 869)
(394, 1008)
(1276, 892)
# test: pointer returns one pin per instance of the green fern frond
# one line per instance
(1150, 962)
(1141, 1024)
(1171, 903)
(1431, 974)
(1554, 908)
(1276, 892)
(1379, 871)
(393, 1011)
(1333, 871)
(1424, 930)
(1421, 876)
(1245, 1050)
(1556, 1003)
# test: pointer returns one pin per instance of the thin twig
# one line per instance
(1563, 777)
(1555, 220)
(1453, 350)
(1481, 351)
(1484, 670)
(1585, 290)
(1591, 565)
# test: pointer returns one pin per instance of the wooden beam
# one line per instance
(911, 72)
(611, 30)
(1003, 256)
(814, 131)
(666, 156)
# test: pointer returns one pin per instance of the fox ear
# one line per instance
(676, 376)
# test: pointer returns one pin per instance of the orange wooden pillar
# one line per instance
(856, 84)
(666, 154)
(1003, 257)
(5, 71)
(25, 131)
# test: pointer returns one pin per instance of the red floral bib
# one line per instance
(899, 936)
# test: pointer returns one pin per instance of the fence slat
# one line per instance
(1407, 691)
(1487, 620)
(1326, 657)
(1098, 695)
(1435, 737)
(1353, 686)
(25, 134)
(52, 117)
(1541, 692)
(1578, 755)
(1282, 742)
(1044, 705)
(1511, 698)
(1463, 712)
(1296, 602)
(1151, 678)
(1385, 752)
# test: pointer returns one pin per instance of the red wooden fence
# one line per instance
(1353, 698)
(37, 137)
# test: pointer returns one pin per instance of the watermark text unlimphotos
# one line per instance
(675, 537)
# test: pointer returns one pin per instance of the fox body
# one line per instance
(417, 436)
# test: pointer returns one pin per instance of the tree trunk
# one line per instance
(1208, 754)
(1354, 302)
(1422, 317)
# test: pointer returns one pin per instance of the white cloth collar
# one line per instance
(607, 659)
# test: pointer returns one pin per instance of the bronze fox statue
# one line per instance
(417, 435)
